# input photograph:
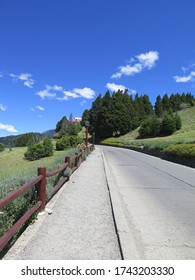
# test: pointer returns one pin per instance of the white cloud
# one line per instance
(70, 94)
(26, 78)
(2, 107)
(53, 92)
(64, 98)
(8, 127)
(40, 108)
(148, 60)
(87, 93)
(45, 93)
(185, 79)
(115, 87)
(129, 70)
(54, 88)
(138, 64)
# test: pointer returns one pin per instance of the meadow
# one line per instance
(15, 170)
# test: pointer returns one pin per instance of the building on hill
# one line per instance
(76, 120)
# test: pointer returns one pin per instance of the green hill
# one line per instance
(185, 135)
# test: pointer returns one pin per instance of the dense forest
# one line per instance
(120, 113)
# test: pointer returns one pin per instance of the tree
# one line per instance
(85, 117)
(61, 127)
(166, 103)
(94, 113)
(105, 127)
(150, 128)
(168, 125)
(120, 118)
(158, 107)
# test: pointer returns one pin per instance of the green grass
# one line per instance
(15, 170)
(12, 163)
(183, 136)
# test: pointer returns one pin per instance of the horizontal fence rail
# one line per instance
(40, 183)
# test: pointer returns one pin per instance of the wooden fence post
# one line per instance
(67, 159)
(76, 160)
(42, 188)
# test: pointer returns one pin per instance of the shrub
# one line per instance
(2, 147)
(67, 142)
(170, 123)
(186, 151)
(40, 150)
(150, 128)
(178, 122)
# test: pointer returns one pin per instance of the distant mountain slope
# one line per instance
(10, 141)
(49, 133)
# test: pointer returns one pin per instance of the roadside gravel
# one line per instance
(81, 226)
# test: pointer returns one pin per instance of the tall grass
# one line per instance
(15, 171)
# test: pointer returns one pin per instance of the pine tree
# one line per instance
(166, 103)
(158, 107)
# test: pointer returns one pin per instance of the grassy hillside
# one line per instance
(185, 135)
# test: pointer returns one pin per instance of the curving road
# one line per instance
(153, 204)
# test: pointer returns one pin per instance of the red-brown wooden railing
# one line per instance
(41, 183)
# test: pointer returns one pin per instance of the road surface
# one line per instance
(154, 205)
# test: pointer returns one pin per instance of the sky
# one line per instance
(57, 56)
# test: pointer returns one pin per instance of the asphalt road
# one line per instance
(154, 205)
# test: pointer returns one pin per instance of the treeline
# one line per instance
(120, 113)
(21, 140)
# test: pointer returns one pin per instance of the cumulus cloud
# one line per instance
(138, 64)
(87, 93)
(8, 127)
(54, 91)
(185, 79)
(70, 94)
(46, 93)
(26, 78)
(115, 87)
(2, 107)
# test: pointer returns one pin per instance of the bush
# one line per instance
(186, 151)
(150, 128)
(178, 122)
(40, 150)
(2, 147)
(67, 142)
(168, 125)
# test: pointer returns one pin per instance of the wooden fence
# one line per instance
(41, 183)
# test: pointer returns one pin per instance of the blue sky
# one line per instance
(57, 56)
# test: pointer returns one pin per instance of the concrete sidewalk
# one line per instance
(81, 226)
